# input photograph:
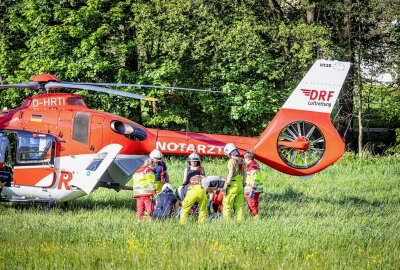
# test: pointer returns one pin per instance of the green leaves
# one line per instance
(252, 52)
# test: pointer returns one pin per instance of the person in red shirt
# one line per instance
(254, 182)
(144, 188)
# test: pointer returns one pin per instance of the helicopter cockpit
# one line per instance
(25, 150)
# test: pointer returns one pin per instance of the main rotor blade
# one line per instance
(50, 85)
(150, 86)
(29, 85)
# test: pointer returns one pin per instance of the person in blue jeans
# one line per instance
(165, 203)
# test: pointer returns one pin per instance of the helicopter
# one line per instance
(60, 150)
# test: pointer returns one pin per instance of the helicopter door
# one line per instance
(87, 179)
(34, 162)
(96, 133)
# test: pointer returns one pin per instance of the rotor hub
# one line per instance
(300, 144)
(43, 78)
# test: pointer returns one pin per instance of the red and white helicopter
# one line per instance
(62, 150)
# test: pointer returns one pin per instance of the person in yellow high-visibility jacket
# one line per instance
(144, 188)
(236, 179)
(195, 193)
(254, 180)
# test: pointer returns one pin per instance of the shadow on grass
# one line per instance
(356, 201)
(289, 195)
(292, 195)
(275, 202)
(24, 206)
(93, 204)
(76, 205)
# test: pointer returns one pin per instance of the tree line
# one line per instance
(252, 52)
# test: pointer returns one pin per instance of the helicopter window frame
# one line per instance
(80, 128)
(31, 155)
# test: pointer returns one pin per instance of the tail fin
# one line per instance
(301, 139)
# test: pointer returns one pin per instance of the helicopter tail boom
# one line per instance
(300, 140)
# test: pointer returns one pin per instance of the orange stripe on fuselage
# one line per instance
(28, 176)
(178, 143)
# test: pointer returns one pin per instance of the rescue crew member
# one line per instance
(233, 188)
(213, 185)
(4, 142)
(144, 188)
(254, 186)
(165, 203)
(160, 170)
(193, 168)
(195, 194)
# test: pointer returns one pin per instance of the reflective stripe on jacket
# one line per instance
(254, 180)
(143, 182)
(238, 168)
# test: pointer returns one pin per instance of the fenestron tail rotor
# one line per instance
(301, 145)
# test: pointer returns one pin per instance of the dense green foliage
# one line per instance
(346, 217)
(253, 52)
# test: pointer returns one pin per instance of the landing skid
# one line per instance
(48, 204)
(23, 200)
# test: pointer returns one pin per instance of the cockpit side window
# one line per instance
(35, 149)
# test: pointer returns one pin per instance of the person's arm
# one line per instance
(164, 178)
(184, 176)
(244, 174)
(229, 176)
(202, 172)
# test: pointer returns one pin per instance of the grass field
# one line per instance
(346, 217)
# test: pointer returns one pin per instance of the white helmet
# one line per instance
(230, 149)
(194, 157)
(156, 154)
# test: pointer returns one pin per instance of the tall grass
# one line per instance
(346, 217)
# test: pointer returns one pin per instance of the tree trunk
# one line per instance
(310, 12)
(276, 9)
(360, 104)
(132, 64)
(347, 94)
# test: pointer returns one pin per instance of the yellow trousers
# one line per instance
(195, 193)
(234, 199)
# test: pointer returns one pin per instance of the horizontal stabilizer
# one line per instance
(87, 179)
